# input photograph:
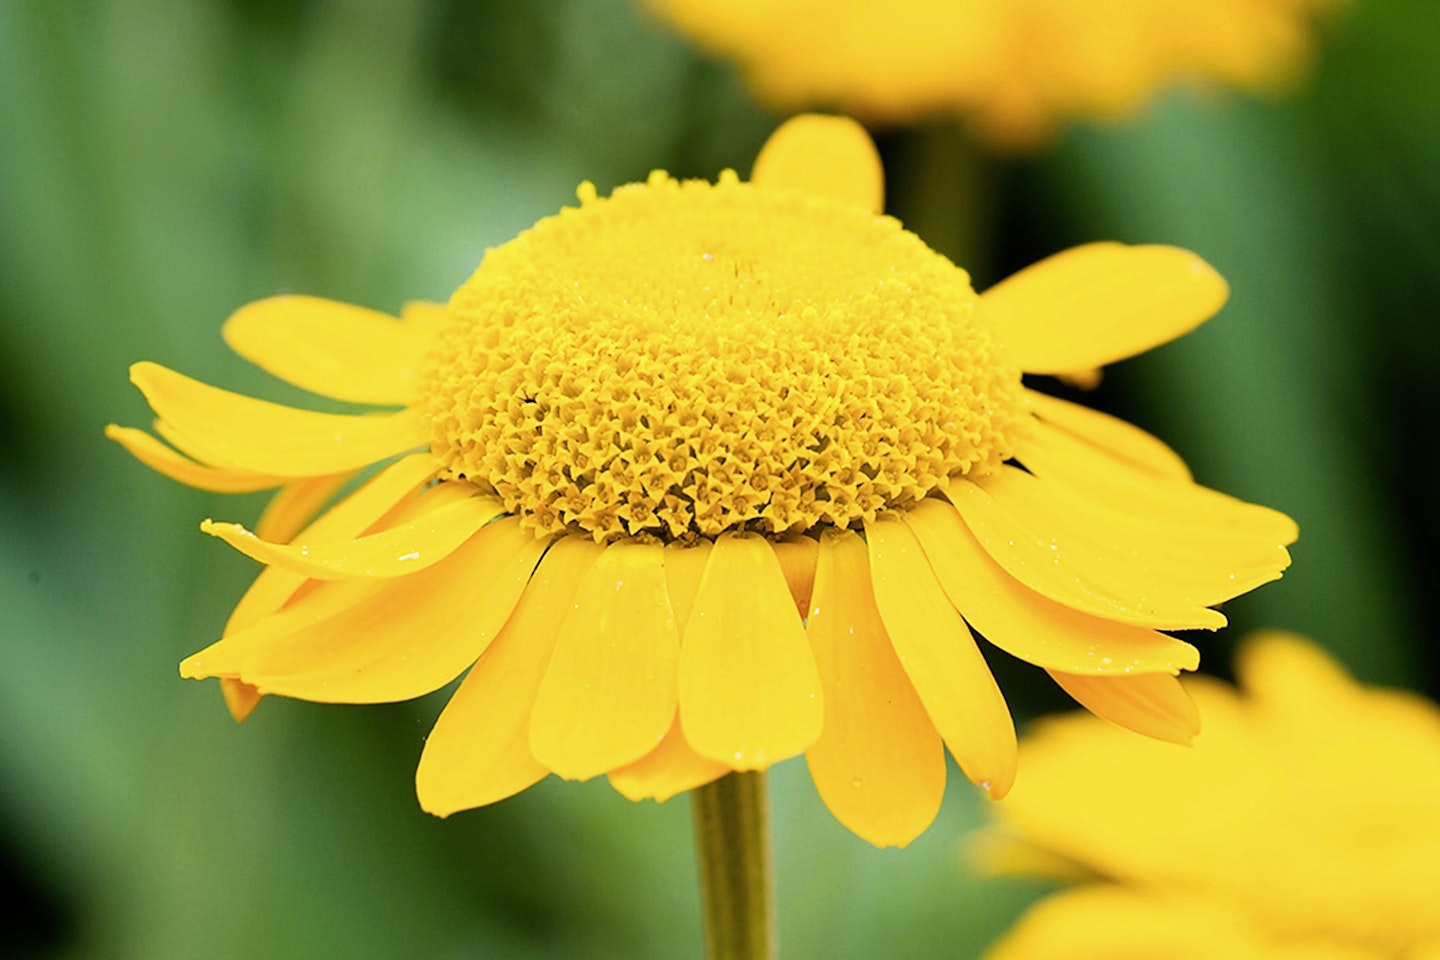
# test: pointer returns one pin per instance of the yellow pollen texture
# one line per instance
(688, 358)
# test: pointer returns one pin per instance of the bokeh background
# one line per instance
(164, 161)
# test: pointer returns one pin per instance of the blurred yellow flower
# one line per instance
(1303, 823)
(1012, 68)
(702, 476)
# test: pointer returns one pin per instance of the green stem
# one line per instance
(732, 840)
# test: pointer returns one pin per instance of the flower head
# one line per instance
(1304, 823)
(1012, 68)
(697, 477)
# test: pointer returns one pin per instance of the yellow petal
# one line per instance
(330, 348)
(241, 699)
(1027, 625)
(295, 505)
(1060, 456)
(359, 641)
(1102, 921)
(1102, 302)
(1153, 704)
(1111, 434)
(879, 765)
(609, 692)
(830, 157)
(684, 566)
(749, 694)
(163, 460)
(479, 750)
(669, 769)
(349, 518)
(228, 429)
(797, 558)
(396, 552)
(1057, 554)
(424, 316)
(940, 657)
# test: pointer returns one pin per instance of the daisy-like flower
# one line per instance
(1013, 68)
(700, 476)
(1304, 824)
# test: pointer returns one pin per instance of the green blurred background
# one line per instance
(164, 161)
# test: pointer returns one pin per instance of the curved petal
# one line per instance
(1101, 302)
(749, 693)
(361, 641)
(1054, 553)
(275, 586)
(669, 769)
(330, 348)
(831, 157)
(241, 699)
(685, 565)
(1153, 704)
(879, 765)
(1058, 456)
(295, 505)
(941, 659)
(797, 558)
(228, 429)
(163, 460)
(396, 552)
(1111, 434)
(479, 750)
(1026, 624)
(608, 695)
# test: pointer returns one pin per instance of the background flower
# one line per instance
(1304, 822)
(163, 162)
(1013, 69)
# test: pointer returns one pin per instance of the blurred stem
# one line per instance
(943, 192)
(732, 839)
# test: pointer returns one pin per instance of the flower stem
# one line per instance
(732, 840)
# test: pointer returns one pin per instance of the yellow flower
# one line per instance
(702, 476)
(1304, 823)
(1013, 68)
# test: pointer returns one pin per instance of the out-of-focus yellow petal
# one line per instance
(831, 157)
(227, 429)
(749, 693)
(669, 769)
(1102, 922)
(1112, 434)
(1153, 704)
(396, 552)
(1053, 552)
(356, 641)
(479, 751)
(940, 657)
(330, 348)
(879, 765)
(1026, 624)
(1101, 302)
(608, 695)
(163, 460)
(997, 852)
(797, 558)
(295, 505)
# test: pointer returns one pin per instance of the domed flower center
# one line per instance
(687, 358)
